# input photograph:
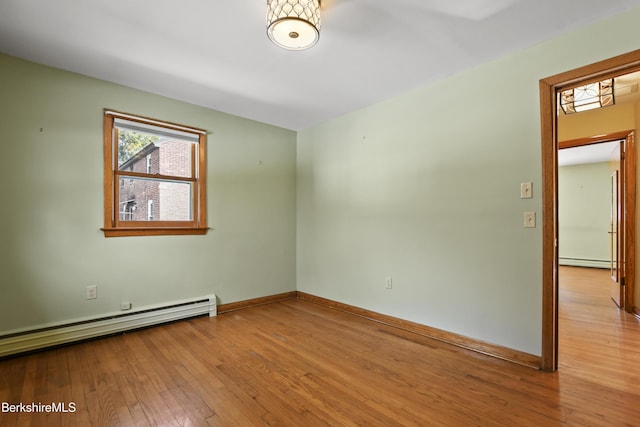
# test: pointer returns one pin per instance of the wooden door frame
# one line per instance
(549, 88)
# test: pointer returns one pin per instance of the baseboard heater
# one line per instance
(584, 262)
(44, 336)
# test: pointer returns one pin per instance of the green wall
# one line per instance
(52, 205)
(584, 214)
(425, 188)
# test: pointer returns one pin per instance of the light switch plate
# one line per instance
(529, 220)
(526, 190)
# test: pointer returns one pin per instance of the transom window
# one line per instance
(154, 177)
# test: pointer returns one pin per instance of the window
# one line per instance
(154, 177)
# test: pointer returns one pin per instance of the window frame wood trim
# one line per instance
(113, 226)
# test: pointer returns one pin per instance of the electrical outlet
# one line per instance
(388, 282)
(92, 292)
(125, 305)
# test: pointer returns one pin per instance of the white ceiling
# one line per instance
(584, 154)
(215, 53)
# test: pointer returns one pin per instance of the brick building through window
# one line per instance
(149, 199)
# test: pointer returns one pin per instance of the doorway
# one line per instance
(585, 199)
(550, 88)
(595, 185)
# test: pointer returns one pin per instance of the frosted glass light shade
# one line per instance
(293, 24)
(587, 97)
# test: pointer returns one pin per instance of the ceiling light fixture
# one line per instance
(293, 24)
(587, 97)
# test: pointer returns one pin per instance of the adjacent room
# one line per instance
(294, 212)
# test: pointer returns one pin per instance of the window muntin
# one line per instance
(154, 177)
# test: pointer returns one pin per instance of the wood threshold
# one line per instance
(457, 340)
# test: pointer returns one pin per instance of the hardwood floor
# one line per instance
(599, 343)
(295, 363)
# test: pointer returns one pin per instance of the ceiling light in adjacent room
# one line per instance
(587, 97)
(293, 24)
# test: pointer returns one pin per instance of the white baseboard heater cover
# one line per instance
(52, 335)
(583, 262)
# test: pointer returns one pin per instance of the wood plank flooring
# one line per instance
(295, 363)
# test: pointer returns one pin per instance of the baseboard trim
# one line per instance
(233, 306)
(478, 346)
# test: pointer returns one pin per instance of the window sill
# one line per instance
(152, 231)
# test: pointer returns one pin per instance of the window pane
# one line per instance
(155, 200)
(147, 153)
(174, 158)
(133, 147)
